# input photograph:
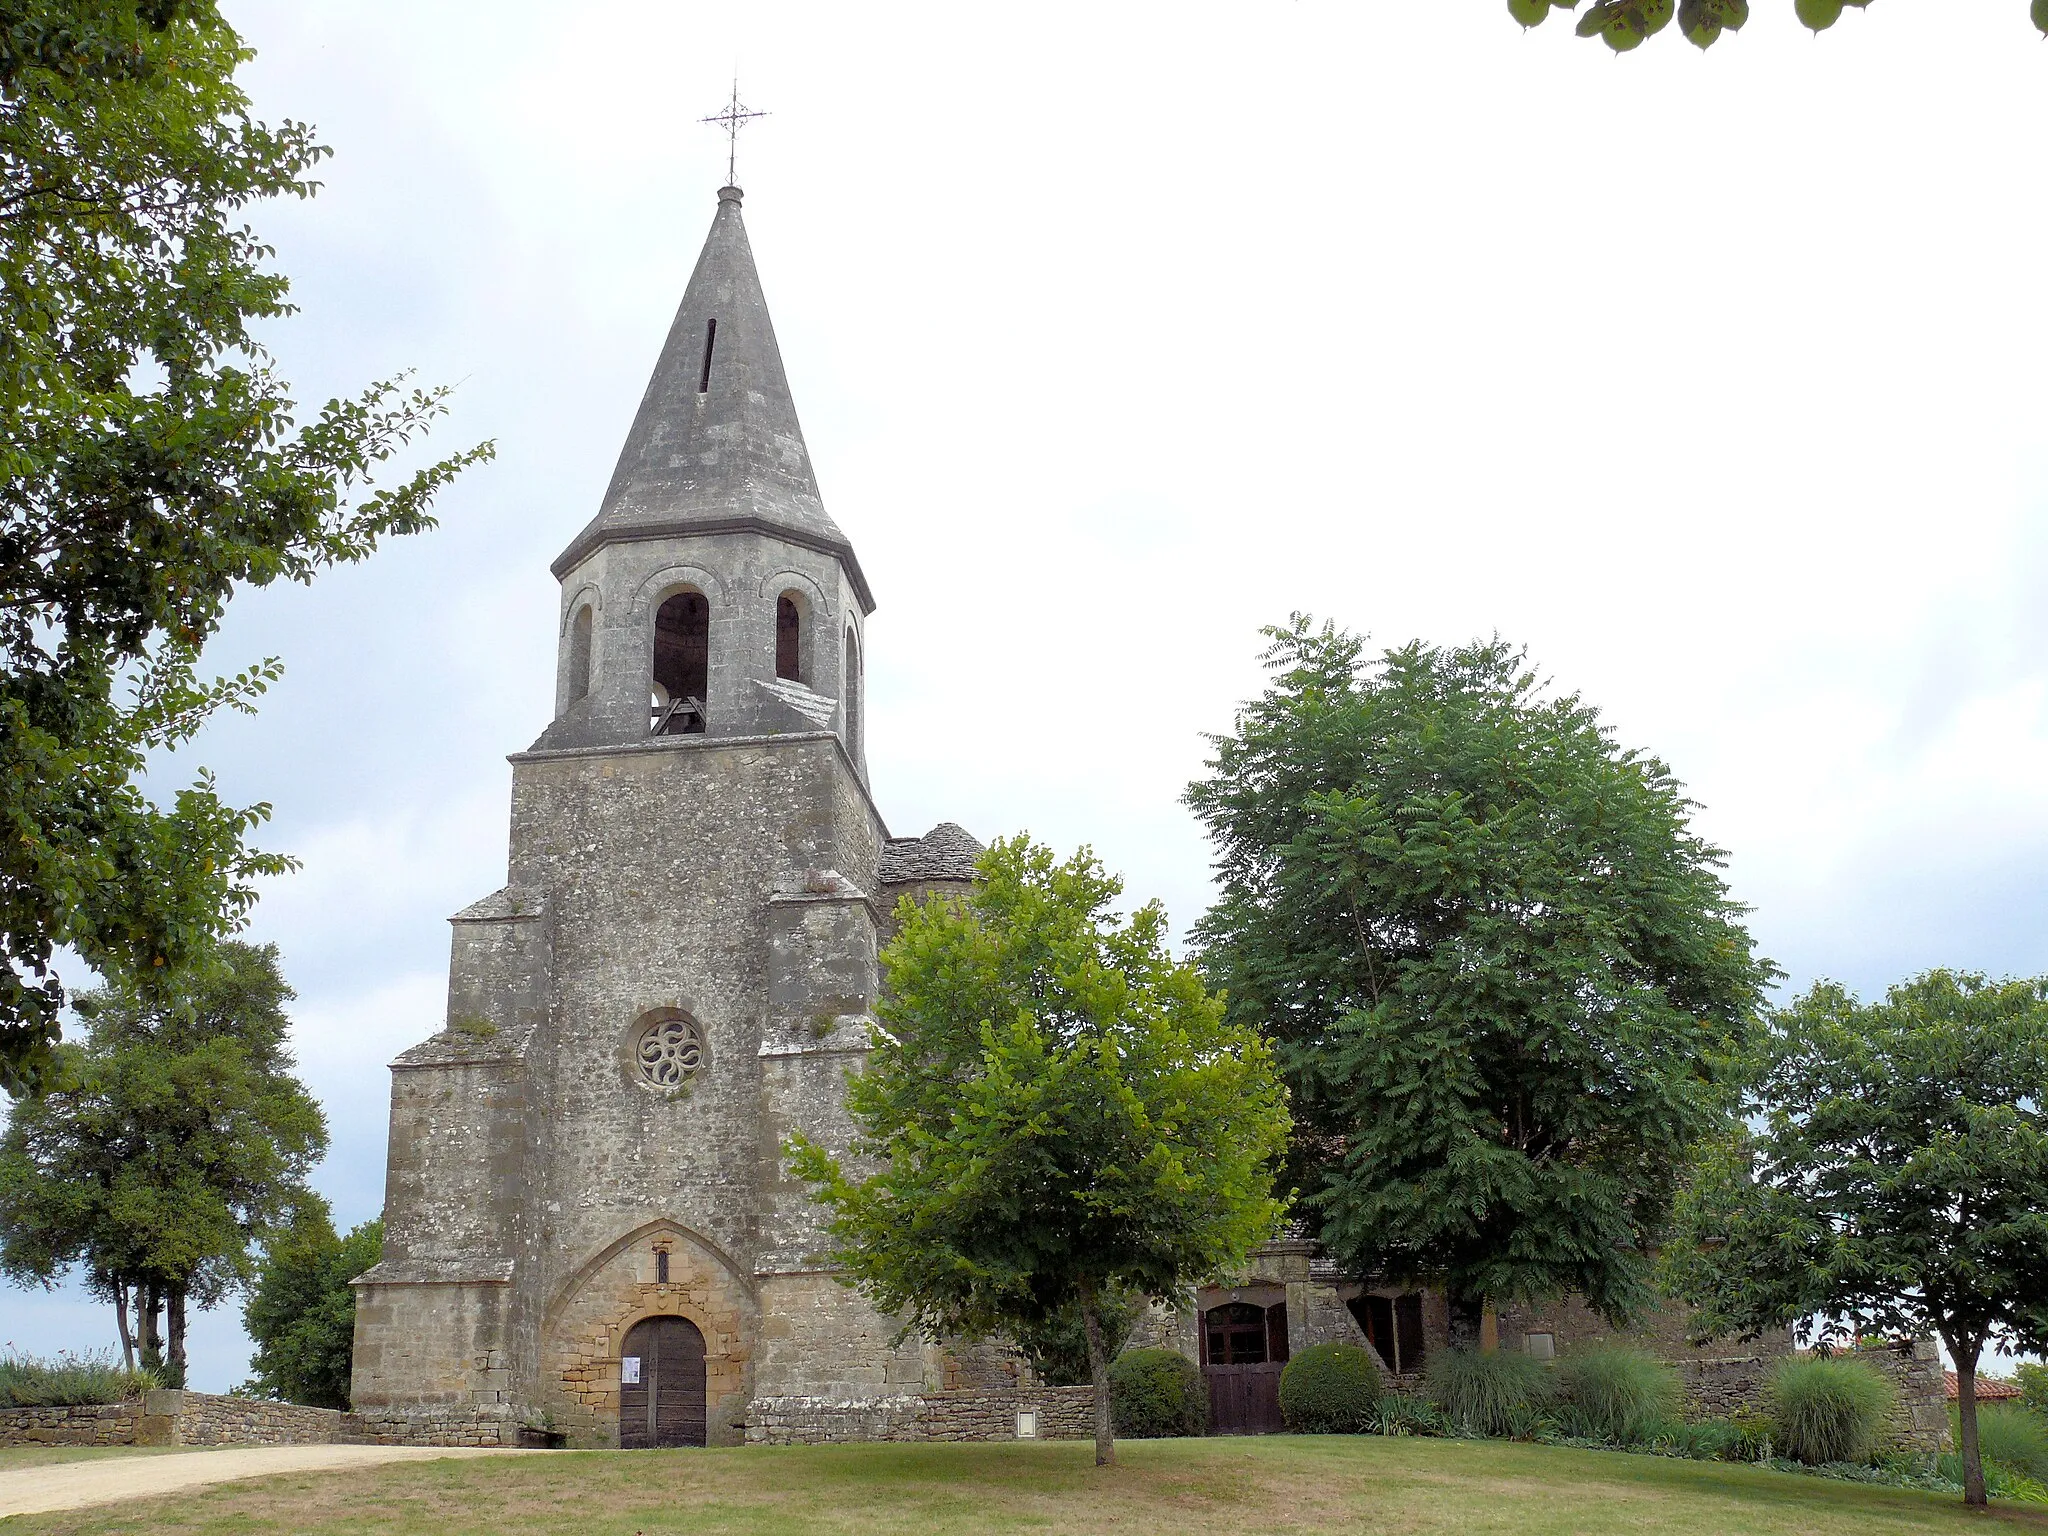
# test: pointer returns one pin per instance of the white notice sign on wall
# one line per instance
(629, 1371)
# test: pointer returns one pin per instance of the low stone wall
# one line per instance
(201, 1418)
(91, 1424)
(1063, 1413)
(478, 1426)
(1715, 1388)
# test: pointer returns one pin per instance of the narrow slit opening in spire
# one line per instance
(710, 341)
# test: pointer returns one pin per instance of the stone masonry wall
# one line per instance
(659, 863)
(205, 1418)
(827, 1343)
(430, 1348)
(202, 1418)
(478, 1426)
(1716, 1387)
(88, 1424)
(1064, 1413)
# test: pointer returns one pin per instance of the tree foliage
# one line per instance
(1502, 971)
(302, 1312)
(167, 1142)
(1896, 1179)
(150, 462)
(1057, 1346)
(1626, 24)
(1057, 1111)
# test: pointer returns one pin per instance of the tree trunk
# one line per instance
(1098, 1372)
(121, 1321)
(146, 1305)
(1966, 1353)
(174, 1298)
(1468, 1317)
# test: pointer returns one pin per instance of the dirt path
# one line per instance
(74, 1484)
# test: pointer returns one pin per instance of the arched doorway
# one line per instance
(1244, 1347)
(661, 1384)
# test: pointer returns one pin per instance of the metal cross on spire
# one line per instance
(732, 120)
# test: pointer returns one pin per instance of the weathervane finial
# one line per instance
(732, 120)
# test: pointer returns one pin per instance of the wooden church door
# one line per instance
(661, 1385)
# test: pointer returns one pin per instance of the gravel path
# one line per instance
(74, 1484)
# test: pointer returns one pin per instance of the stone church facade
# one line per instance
(588, 1223)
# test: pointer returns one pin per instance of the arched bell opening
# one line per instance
(682, 664)
(579, 654)
(850, 692)
(792, 636)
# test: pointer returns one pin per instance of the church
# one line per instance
(587, 1219)
(590, 1235)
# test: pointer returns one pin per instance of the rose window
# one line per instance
(668, 1052)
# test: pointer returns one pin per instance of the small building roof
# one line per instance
(1990, 1389)
(947, 852)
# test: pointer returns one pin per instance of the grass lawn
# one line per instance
(14, 1457)
(1179, 1487)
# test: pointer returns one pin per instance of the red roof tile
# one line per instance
(1990, 1389)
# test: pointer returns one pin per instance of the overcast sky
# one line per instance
(1118, 332)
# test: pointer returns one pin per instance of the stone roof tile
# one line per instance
(947, 852)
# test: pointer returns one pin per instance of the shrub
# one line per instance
(1396, 1414)
(1497, 1394)
(1828, 1409)
(1330, 1389)
(1155, 1392)
(2033, 1380)
(2012, 1437)
(1613, 1393)
(68, 1381)
(302, 1313)
(2000, 1481)
(1058, 1347)
(1701, 1439)
(1753, 1430)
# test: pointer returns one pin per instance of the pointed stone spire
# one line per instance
(716, 445)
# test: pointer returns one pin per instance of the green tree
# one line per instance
(1058, 1346)
(1502, 972)
(150, 462)
(1895, 1178)
(302, 1312)
(167, 1142)
(1626, 24)
(1056, 1111)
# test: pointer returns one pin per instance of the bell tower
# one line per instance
(587, 1214)
(712, 594)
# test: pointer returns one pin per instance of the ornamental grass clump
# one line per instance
(1828, 1409)
(1616, 1394)
(1499, 1394)
(69, 1381)
(1396, 1414)
(1331, 1389)
(2011, 1436)
(1155, 1393)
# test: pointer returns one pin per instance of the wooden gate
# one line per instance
(1244, 1349)
(661, 1385)
(1244, 1399)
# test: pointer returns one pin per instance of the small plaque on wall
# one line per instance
(629, 1371)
